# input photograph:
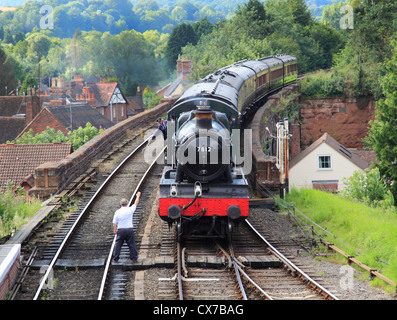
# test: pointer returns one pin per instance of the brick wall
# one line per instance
(345, 120)
(43, 120)
(54, 176)
(32, 108)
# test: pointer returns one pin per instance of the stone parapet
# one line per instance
(51, 177)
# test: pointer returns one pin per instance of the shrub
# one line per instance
(321, 85)
(369, 188)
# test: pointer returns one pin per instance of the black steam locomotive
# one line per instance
(203, 189)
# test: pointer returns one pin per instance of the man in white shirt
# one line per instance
(123, 227)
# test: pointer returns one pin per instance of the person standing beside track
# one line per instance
(162, 127)
(123, 228)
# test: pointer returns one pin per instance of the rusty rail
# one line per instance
(373, 272)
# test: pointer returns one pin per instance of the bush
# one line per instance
(369, 188)
(76, 137)
(321, 85)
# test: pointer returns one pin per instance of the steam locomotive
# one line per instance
(203, 189)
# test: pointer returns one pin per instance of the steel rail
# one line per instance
(109, 259)
(232, 260)
(75, 224)
(179, 273)
(253, 282)
(291, 265)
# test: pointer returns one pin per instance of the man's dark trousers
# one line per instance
(128, 236)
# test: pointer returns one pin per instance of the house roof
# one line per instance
(173, 86)
(326, 138)
(18, 161)
(80, 114)
(136, 103)
(102, 91)
(10, 105)
(11, 127)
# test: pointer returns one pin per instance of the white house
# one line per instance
(323, 165)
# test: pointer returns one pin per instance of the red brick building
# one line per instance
(106, 97)
(16, 112)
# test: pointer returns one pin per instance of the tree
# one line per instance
(74, 50)
(7, 78)
(180, 36)
(203, 27)
(252, 19)
(383, 131)
(300, 11)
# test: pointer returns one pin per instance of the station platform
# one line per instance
(10, 252)
(9, 264)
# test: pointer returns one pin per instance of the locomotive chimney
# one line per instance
(203, 117)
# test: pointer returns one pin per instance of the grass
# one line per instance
(15, 209)
(368, 233)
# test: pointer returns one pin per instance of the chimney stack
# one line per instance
(32, 108)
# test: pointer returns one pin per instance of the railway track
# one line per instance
(77, 248)
(235, 271)
(71, 252)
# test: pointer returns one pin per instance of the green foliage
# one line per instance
(15, 209)
(134, 58)
(369, 188)
(383, 131)
(7, 78)
(111, 16)
(362, 231)
(260, 29)
(150, 99)
(76, 137)
(180, 36)
(322, 84)
(82, 135)
(367, 45)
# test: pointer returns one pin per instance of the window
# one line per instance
(324, 162)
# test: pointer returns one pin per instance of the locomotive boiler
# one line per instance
(203, 189)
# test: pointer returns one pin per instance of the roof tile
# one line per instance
(18, 161)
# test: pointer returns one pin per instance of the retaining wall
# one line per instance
(51, 177)
(264, 170)
(347, 120)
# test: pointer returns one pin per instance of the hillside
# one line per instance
(222, 5)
